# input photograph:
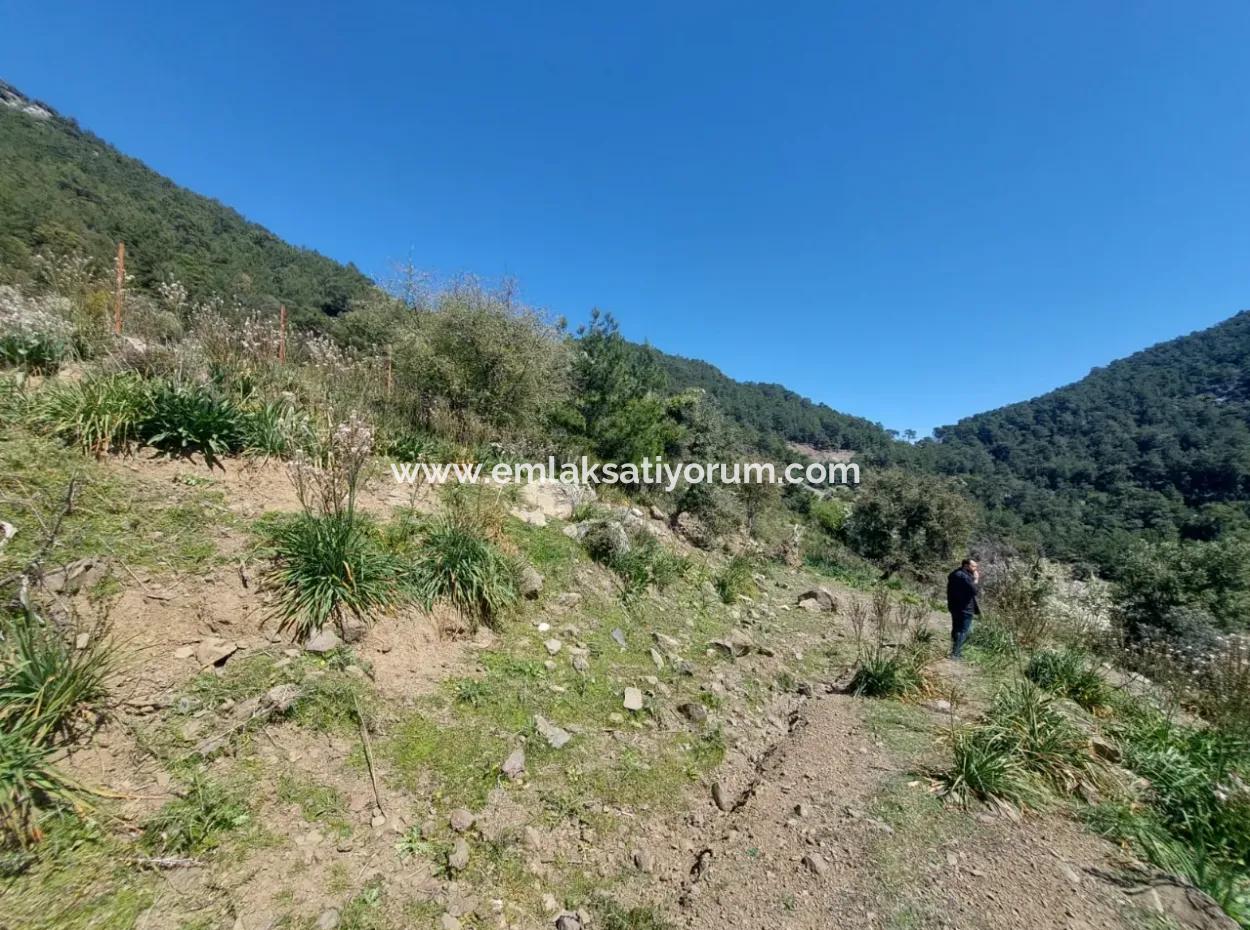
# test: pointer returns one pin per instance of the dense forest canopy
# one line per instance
(63, 190)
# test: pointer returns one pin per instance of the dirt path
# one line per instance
(831, 829)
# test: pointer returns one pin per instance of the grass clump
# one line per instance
(330, 565)
(100, 414)
(1193, 816)
(737, 578)
(193, 418)
(1069, 673)
(195, 822)
(44, 684)
(457, 566)
(894, 671)
(639, 559)
(1023, 746)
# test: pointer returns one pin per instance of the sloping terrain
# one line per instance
(746, 790)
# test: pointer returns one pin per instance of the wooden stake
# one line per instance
(282, 333)
(390, 372)
(121, 284)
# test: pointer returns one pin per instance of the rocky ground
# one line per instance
(680, 762)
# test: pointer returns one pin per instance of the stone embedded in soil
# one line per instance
(459, 857)
(633, 699)
(328, 920)
(816, 863)
(720, 798)
(568, 922)
(692, 711)
(530, 584)
(643, 861)
(514, 766)
(461, 820)
(448, 922)
(184, 652)
(324, 640)
(554, 735)
(214, 651)
(553, 646)
(619, 635)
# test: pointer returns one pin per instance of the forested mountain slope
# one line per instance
(1156, 442)
(63, 189)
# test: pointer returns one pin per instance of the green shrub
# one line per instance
(274, 429)
(330, 565)
(887, 675)
(39, 352)
(44, 680)
(1069, 673)
(193, 418)
(737, 578)
(456, 566)
(100, 414)
(993, 638)
(30, 783)
(1023, 744)
(193, 824)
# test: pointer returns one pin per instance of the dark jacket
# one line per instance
(961, 594)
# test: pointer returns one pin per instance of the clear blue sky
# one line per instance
(911, 211)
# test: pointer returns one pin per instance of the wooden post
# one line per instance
(282, 334)
(121, 284)
(390, 372)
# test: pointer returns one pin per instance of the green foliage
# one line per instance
(45, 680)
(36, 352)
(65, 190)
(736, 578)
(478, 363)
(30, 783)
(618, 399)
(274, 429)
(193, 418)
(330, 565)
(1069, 673)
(1194, 817)
(1023, 745)
(906, 520)
(639, 559)
(1184, 589)
(887, 675)
(193, 823)
(1157, 443)
(457, 566)
(99, 414)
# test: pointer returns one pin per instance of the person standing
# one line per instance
(961, 601)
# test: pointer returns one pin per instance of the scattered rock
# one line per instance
(693, 711)
(619, 635)
(633, 699)
(818, 599)
(514, 765)
(938, 705)
(184, 652)
(816, 863)
(553, 646)
(352, 628)
(530, 583)
(643, 861)
(324, 640)
(657, 513)
(82, 640)
(554, 735)
(567, 600)
(581, 662)
(448, 922)
(802, 810)
(720, 799)
(328, 919)
(568, 922)
(76, 576)
(459, 857)
(735, 645)
(1188, 906)
(1105, 750)
(214, 651)
(462, 820)
(657, 659)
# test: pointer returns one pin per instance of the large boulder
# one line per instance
(818, 599)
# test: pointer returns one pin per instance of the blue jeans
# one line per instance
(961, 628)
